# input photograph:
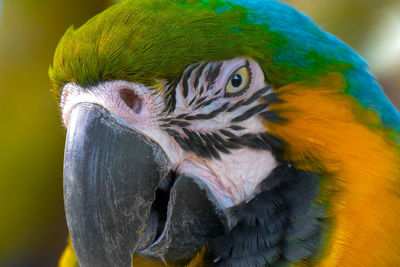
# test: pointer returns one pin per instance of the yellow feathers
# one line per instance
(359, 165)
(68, 258)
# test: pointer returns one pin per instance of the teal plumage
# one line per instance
(317, 51)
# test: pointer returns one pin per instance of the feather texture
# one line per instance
(136, 40)
(334, 121)
(274, 226)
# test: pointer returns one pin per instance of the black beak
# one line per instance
(121, 198)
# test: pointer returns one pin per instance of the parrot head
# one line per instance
(236, 125)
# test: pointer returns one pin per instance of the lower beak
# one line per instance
(121, 198)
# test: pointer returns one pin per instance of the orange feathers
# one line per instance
(359, 165)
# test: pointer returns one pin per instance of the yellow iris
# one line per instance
(238, 82)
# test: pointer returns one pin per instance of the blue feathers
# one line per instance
(306, 46)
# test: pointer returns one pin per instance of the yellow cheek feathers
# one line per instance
(359, 167)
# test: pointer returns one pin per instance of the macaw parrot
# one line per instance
(223, 133)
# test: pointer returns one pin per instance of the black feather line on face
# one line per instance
(172, 132)
(272, 116)
(215, 73)
(210, 115)
(171, 103)
(227, 133)
(199, 73)
(236, 106)
(209, 145)
(257, 95)
(218, 92)
(182, 143)
(250, 113)
(180, 123)
(208, 75)
(275, 143)
(200, 101)
(272, 98)
(201, 90)
(185, 80)
(237, 127)
(270, 230)
(181, 116)
(191, 101)
(170, 97)
(208, 102)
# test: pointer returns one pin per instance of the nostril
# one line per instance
(131, 100)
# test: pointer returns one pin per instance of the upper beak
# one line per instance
(121, 198)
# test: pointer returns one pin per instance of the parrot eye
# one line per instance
(239, 82)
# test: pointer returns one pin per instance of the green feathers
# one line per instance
(145, 40)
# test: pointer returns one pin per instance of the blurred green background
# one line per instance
(32, 225)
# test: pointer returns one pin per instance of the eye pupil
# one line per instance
(236, 80)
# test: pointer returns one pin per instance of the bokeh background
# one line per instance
(32, 225)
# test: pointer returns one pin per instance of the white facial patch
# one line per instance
(233, 178)
(209, 133)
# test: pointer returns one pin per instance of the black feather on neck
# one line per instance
(281, 224)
